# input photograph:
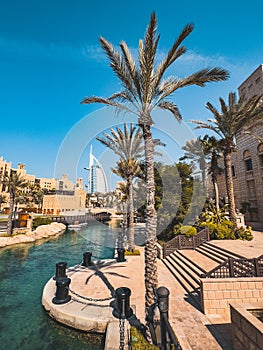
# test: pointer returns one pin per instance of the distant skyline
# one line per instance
(51, 59)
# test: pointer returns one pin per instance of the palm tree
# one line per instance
(145, 89)
(128, 145)
(194, 152)
(2, 200)
(234, 118)
(14, 182)
(128, 170)
(212, 150)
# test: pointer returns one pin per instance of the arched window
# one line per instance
(247, 160)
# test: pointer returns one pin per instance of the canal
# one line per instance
(25, 269)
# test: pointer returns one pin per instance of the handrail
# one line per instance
(185, 242)
(172, 336)
(237, 268)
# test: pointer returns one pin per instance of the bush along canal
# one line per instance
(25, 269)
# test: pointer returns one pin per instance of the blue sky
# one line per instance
(51, 58)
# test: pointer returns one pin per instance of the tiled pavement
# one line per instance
(194, 330)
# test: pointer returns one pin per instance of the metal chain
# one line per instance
(89, 298)
(122, 335)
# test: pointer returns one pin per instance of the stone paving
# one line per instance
(248, 249)
(194, 330)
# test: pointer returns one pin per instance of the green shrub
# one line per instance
(40, 221)
(244, 233)
(138, 342)
(135, 252)
(225, 230)
(188, 231)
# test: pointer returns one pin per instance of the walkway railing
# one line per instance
(238, 268)
(160, 328)
(184, 242)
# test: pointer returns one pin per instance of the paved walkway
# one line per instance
(248, 249)
(194, 330)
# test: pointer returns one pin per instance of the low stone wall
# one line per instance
(218, 293)
(27, 236)
(247, 330)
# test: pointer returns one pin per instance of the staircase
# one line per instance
(188, 265)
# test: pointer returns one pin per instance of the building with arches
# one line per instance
(247, 169)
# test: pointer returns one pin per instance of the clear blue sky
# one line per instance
(51, 58)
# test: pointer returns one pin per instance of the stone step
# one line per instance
(210, 254)
(187, 264)
(181, 276)
(222, 250)
(188, 258)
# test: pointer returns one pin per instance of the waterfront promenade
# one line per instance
(194, 329)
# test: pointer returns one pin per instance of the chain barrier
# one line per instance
(122, 335)
(89, 298)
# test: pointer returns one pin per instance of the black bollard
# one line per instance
(61, 296)
(60, 270)
(120, 257)
(163, 305)
(87, 259)
(122, 309)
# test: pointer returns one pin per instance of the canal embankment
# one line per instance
(28, 236)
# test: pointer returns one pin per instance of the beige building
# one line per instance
(63, 195)
(247, 162)
(67, 197)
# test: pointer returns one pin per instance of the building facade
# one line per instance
(247, 169)
(62, 195)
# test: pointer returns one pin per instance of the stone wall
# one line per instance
(247, 330)
(216, 294)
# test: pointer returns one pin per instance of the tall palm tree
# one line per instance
(128, 145)
(14, 182)
(145, 89)
(212, 149)
(236, 117)
(194, 152)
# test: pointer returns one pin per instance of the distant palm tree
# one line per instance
(14, 182)
(194, 152)
(128, 170)
(128, 145)
(2, 200)
(145, 89)
(212, 149)
(236, 117)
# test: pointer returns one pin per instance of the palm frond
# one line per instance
(95, 99)
(147, 53)
(170, 106)
(199, 78)
(131, 66)
(173, 53)
(118, 65)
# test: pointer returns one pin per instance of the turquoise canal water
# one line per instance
(25, 269)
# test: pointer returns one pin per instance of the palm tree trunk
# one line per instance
(130, 218)
(10, 216)
(214, 172)
(150, 251)
(216, 196)
(230, 187)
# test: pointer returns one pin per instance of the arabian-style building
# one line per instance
(247, 162)
(62, 195)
